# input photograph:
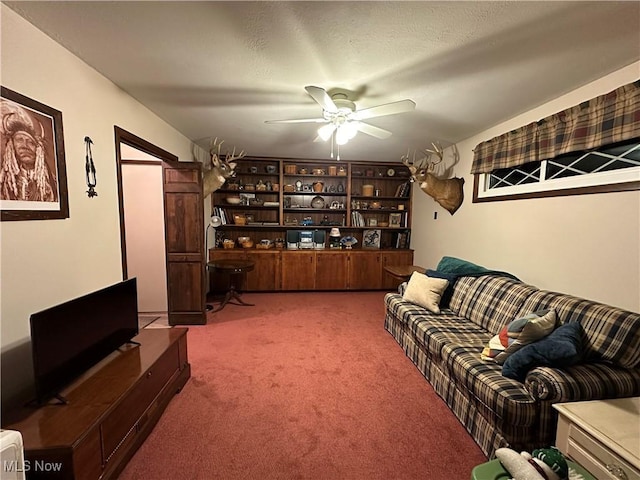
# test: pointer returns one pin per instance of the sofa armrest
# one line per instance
(590, 381)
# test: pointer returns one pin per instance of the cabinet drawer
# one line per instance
(595, 457)
(121, 422)
(86, 464)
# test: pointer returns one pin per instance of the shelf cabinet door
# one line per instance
(401, 257)
(365, 270)
(265, 276)
(299, 270)
(331, 270)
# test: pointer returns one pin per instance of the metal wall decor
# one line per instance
(90, 169)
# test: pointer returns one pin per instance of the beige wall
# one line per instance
(46, 262)
(586, 245)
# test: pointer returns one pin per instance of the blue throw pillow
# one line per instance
(561, 348)
(448, 292)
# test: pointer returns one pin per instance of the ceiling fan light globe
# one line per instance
(326, 131)
(342, 136)
(350, 129)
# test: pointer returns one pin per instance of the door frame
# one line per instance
(128, 138)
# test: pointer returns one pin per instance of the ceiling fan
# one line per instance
(342, 119)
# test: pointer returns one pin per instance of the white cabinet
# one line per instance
(602, 435)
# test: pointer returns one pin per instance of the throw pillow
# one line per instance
(425, 291)
(520, 332)
(448, 292)
(562, 348)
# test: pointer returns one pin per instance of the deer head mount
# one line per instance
(219, 169)
(448, 192)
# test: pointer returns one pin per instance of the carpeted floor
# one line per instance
(304, 386)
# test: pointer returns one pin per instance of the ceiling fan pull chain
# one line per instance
(332, 138)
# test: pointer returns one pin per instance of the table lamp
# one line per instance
(334, 238)
(214, 223)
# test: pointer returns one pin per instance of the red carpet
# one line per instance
(304, 386)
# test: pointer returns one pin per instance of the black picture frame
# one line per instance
(40, 194)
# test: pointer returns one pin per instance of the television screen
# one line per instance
(69, 338)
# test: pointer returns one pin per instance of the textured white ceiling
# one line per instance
(220, 69)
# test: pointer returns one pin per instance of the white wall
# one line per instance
(46, 262)
(585, 245)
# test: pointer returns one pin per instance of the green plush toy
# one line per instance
(541, 464)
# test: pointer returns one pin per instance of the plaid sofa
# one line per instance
(497, 411)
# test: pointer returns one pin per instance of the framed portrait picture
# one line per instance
(33, 176)
(371, 239)
(395, 220)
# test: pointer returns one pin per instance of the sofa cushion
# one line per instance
(506, 401)
(610, 334)
(490, 301)
(425, 291)
(518, 333)
(434, 332)
(406, 312)
(562, 348)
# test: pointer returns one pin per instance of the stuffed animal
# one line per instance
(541, 464)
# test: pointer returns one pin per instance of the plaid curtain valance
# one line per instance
(603, 120)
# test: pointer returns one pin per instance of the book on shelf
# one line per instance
(403, 190)
(219, 212)
(403, 239)
(357, 220)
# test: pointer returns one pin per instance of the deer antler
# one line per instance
(413, 164)
(233, 156)
(437, 151)
(214, 150)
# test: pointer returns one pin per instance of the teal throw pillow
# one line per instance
(448, 293)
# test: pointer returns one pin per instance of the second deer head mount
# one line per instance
(448, 192)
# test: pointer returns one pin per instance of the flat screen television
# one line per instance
(70, 338)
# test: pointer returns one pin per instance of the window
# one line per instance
(610, 168)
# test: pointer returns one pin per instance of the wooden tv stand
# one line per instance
(111, 409)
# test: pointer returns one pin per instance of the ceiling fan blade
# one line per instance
(321, 96)
(373, 131)
(298, 120)
(387, 109)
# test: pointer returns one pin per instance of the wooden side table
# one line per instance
(403, 272)
(602, 435)
(235, 269)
